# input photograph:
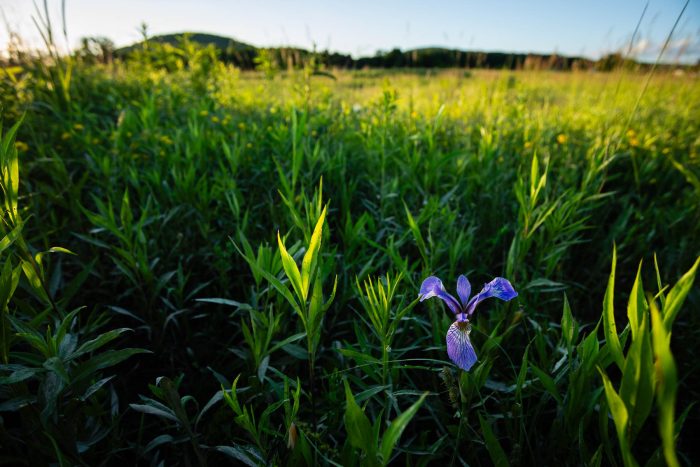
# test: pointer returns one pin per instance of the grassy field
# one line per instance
(206, 266)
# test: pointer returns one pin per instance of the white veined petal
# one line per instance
(459, 347)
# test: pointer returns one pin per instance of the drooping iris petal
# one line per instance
(459, 347)
(498, 288)
(432, 287)
(464, 289)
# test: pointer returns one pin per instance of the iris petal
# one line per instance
(459, 347)
(464, 289)
(432, 287)
(498, 288)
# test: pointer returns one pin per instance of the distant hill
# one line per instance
(201, 38)
(242, 55)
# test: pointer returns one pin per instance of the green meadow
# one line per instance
(206, 265)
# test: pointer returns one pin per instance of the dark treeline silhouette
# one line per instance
(247, 57)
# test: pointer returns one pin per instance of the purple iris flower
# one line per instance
(459, 347)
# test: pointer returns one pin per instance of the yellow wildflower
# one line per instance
(561, 138)
(78, 127)
(65, 136)
(21, 146)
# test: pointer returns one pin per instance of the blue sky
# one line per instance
(361, 27)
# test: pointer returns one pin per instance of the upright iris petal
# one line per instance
(459, 347)
(498, 288)
(464, 289)
(432, 287)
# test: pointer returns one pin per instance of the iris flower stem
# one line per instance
(461, 421)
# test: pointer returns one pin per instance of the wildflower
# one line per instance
(78, 127)
(528, 144)
(459, 347)
(241, 126)
(215, 119)
(21, 146)
(65, 136)
(561, 138)
(632, 137)
(203, 113)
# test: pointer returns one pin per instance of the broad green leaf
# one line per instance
(158, 441)
(548, 382)
(568, 324)
(34, 280)
(99, 341)
(609, 327)
(498, 456)
(104, 360)
(620, 418)
(636, 306)
(58, 249)
(95, 387)
(17, 403)
(162, 412)
(251, 459)
(357, 425)
(8, 239)
(215, 399)
(287, 341)
(307, 264)
(666, 381)
(291, 269)
(19, 375)
(676, 296)
(636, 388)
(393, 433)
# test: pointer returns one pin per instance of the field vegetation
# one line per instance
(201, 265)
